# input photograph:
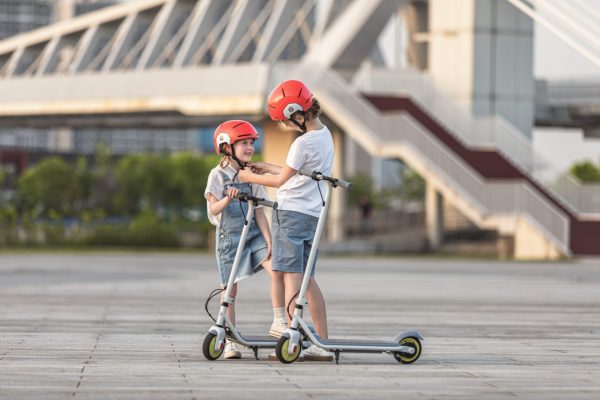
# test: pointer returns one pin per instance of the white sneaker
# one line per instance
(231, 351)
(278, 327)
(233, 331)
(314, 353)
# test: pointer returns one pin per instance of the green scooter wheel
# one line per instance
(208, 347)
(405, 358)
(282, 351)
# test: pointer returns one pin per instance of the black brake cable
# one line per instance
(322, 199)
(210, 297)
(290, 302)
(242, 166)
(243, 213)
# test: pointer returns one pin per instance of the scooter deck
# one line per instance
(351, 342)
(261, 341)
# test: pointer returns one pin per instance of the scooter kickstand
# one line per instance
(337, 357)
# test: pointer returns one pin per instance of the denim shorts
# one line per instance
(293, 235)
(254, 253)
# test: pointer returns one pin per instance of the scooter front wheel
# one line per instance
(282, 351)
(405, 358)
(208, 347)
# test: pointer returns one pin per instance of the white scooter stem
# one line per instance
(236, 263)
(301, 299)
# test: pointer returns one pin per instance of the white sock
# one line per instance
(279, 314)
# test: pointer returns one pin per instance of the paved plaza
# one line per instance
(131, 325)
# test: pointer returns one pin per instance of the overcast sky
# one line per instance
(553, 58)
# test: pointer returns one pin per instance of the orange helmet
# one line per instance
(287, 98)
(232, 131)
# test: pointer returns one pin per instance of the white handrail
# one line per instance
(572, 26)
(590, 55)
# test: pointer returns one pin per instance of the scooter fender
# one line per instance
(405, 334)
(220, 333)
(294, 337)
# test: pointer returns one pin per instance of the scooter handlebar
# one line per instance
(317, 176)
(256, 200)
(266, 203)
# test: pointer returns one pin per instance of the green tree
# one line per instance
(141, 179)
(149, 181)
(47, 186)
(363, 186)
(413, 185)
(8, 225)
(101, 178)
(186, 180)
(82, 186)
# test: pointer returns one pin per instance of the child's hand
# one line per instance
(258, 168)
(268, 251)
(232, 193)
(245, 175)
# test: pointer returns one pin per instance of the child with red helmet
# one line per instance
(294, 222)
(235, 141)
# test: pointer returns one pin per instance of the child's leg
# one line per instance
(318, 311)
(279, 324)
(231, 308)
(316, 302)
(276, 287)
(292, 281)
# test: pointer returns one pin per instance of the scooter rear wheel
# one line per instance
(282, 353)
(405, 358)
(208, 347)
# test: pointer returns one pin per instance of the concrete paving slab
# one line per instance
(131, 325)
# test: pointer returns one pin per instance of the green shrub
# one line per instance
(148, 230)
(8, 226)
(586, 172)
(107, 235)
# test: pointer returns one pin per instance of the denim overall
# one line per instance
(228, 237)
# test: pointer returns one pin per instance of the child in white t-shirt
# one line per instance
(235, 141)
(299, 203)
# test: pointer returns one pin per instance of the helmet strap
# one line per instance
(241, 164)
(302, 126)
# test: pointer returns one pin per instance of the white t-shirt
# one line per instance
(216, 185)
(312, 151)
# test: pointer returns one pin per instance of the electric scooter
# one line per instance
(214, 342)
(405, 347)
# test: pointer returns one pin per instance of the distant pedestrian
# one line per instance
(366, 209)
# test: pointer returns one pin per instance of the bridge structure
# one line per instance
(193, 63)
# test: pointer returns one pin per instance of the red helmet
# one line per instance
(233, 131)
(287, 98)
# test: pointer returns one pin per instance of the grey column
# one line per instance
(434, 216)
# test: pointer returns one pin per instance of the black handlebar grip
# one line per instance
(317, 176)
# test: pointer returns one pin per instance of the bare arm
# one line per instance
(264, 167)
(275, 181)
(217, 206)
